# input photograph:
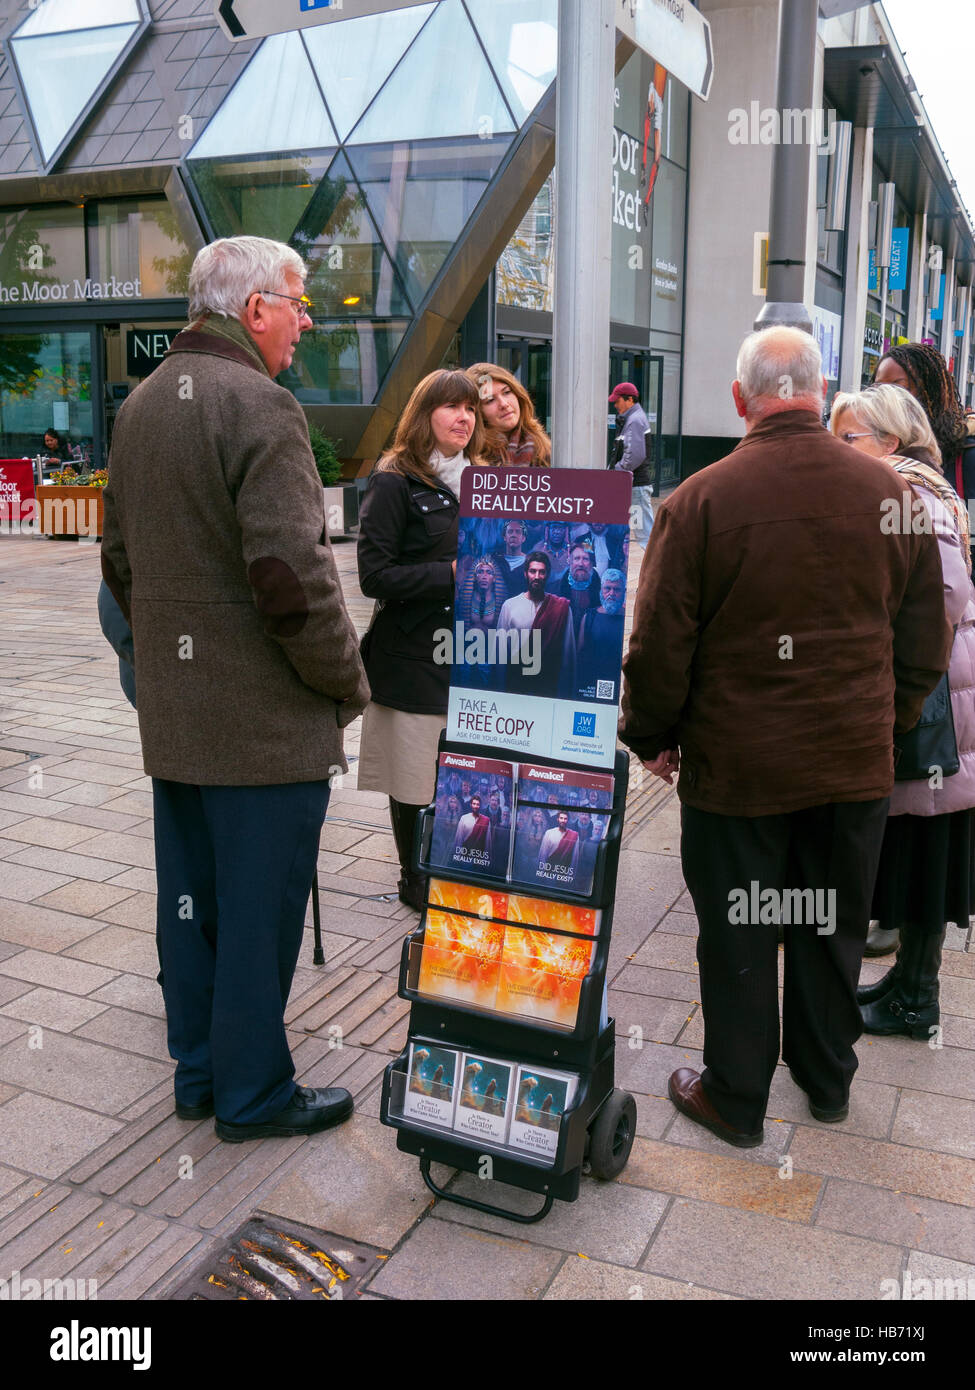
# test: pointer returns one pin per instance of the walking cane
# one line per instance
(318, 957)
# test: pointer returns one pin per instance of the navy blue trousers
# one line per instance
(234, 867)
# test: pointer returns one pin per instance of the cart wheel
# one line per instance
(611, 1136)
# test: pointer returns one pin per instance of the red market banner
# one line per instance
(16, 491)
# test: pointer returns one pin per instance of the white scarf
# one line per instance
(449, 470)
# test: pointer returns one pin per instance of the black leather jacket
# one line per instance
(407, 542)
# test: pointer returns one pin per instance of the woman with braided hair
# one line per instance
(920, 369)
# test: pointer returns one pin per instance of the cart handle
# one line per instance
(482, 1206)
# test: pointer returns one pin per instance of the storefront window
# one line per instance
(45, 383)
(136, 241)
(42, 254)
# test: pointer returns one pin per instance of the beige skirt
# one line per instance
(398, 754)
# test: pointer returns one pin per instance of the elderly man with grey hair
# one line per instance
(781, 636)
(247, 668)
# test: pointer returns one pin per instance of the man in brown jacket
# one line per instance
(247, 668)
(780, 637)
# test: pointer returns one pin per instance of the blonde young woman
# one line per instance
(513, 434)
(407, 556)
(924, 879)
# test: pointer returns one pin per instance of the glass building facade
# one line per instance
(372, 146)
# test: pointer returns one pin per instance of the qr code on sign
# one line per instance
(605, 690)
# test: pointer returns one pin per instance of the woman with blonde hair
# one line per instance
(924, 879)
(514, 436)
(407, 556)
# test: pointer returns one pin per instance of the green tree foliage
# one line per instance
(326, 456)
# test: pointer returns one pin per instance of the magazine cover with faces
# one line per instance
(472, 815)
(561, 819)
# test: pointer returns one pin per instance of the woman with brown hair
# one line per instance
(514, 436)
(407, 556)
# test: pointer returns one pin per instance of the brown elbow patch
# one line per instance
(280, 598)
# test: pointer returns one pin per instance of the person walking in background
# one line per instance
(920, 369)
(513, 434)
(771, 679)
(247, 668)
(407, 557)
(924, 879)
(631, 456)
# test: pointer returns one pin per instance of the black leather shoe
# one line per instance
(821, 1112)
(195, 1112)
(308, 1111)
(689, 1096)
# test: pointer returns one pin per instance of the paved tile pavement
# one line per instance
(100, 1180)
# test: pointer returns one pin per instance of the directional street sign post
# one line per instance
(676, 34)
(257, 19)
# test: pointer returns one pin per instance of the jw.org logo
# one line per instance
(584, 725)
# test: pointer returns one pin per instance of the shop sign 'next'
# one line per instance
(58, 291)
(256, 19)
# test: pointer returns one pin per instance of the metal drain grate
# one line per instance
(271, 1261)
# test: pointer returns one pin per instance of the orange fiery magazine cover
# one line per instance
(542, 912)
(465, 897)
(541, 975)
(461, 958)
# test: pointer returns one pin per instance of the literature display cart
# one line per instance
(510, 1055)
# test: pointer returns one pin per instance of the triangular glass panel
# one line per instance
(58, 16)
(422, 196)
(62, 72)
(275, 105)
(264, 195)
(354, 58)
(522, 41)
(349, 272)
(442, 87)
(345, 362)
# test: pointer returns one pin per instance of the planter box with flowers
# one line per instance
(71, 504)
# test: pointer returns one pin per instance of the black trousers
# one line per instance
(820, 866)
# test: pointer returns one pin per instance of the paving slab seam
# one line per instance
(661, 1221)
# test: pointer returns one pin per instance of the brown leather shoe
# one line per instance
(690, 1098)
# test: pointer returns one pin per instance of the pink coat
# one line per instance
(958, 792)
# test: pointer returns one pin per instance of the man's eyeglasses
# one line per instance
(305, 305)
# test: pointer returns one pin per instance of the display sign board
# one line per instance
(145, 348)
(676, 34)
(537, 642)
(256, 19)
(16, 491)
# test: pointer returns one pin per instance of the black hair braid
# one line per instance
(936, 391)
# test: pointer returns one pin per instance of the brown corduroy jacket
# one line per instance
(215, 544)
(780, 633)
